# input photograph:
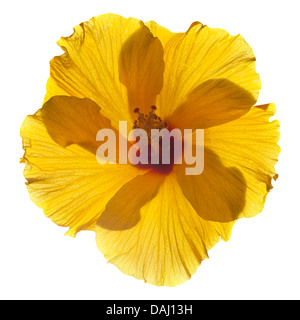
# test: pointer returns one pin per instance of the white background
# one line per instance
(262, 258)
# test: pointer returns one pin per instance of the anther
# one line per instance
(148, 121)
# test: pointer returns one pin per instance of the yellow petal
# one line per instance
(250, 145)
(218, 194)
(65, 179)
(163, 34)
(104, 58)
(212, 103)
(71, 120)
(203, 67)
(141, 68)
(149, 230)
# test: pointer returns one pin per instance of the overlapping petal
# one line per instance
(209, 78)
(218, 194)
(141, 68)
(113, 61)
(150, 230)
(249, 144)
(162, 33)
(64, 177)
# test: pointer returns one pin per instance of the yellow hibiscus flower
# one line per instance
(156, 225)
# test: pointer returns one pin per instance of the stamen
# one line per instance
(149, 121)
(153, 121)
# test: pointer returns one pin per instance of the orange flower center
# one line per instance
(152, 121)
